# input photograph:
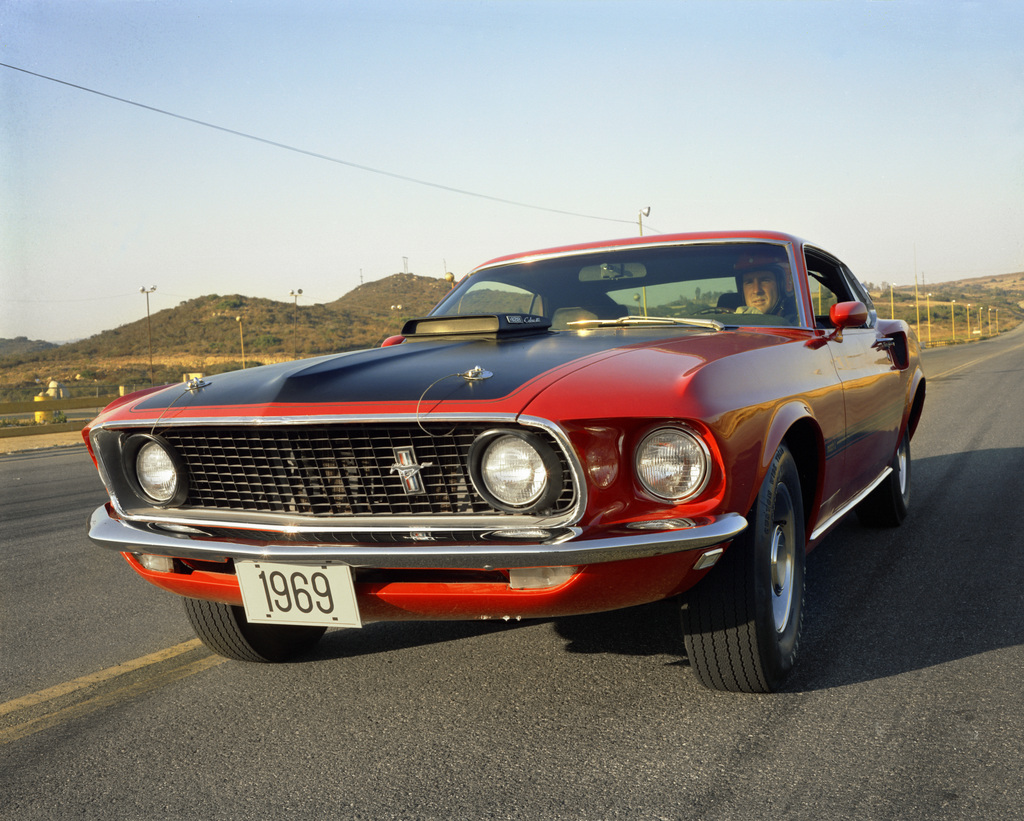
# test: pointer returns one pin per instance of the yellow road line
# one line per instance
(90, 705)
(96, 678)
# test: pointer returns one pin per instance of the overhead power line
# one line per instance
(314, 154)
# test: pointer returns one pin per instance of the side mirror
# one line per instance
(847, 315)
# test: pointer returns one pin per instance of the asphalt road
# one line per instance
(907, 703)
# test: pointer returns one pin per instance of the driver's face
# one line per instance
(760, 290)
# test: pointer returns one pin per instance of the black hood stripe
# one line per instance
(400, 373)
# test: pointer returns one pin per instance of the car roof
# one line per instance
(649, 241)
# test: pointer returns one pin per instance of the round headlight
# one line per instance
(673, 464)
(157, 472)
(515, 471)
(157, 476)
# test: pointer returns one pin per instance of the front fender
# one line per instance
(794, 423)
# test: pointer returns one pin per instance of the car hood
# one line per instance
(426, 375)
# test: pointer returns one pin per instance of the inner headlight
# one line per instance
(155, 470)
(156, 473)
(673, 464)
(515, 471)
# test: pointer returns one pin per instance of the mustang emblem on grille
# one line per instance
(408, 471)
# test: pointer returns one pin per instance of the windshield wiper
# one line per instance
(712, 324)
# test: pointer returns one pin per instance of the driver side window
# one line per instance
(828, 286)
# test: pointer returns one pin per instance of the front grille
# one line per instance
(337, 470)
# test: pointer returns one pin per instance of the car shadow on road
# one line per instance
(386, 637)
(648, 630)
(943, 587)
(644, 630)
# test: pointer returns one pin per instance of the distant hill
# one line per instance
(23, 345)
(406, 294)
(1007, 285)
(206, 334)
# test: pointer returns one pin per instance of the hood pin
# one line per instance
(476, 374)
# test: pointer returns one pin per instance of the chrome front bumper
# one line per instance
(692, 534)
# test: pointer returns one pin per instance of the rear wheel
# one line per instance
(224, 629)
(742, 623)
(887, 504)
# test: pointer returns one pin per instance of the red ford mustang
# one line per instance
(571, 430)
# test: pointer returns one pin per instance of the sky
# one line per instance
(262, 146)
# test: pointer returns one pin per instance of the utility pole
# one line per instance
(241, 339)
(149, 326)
(917, 300)
(295, 322)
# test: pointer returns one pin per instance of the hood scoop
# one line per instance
(480, 326)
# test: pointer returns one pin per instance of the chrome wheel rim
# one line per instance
(783, 561)
(901, 466)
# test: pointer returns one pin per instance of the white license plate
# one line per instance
(311, 594)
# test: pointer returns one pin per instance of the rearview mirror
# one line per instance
(613, 270)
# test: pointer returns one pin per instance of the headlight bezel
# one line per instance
(701, 450)
(544, 500)
(132, 448)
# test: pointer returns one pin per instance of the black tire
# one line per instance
(224, 629)
(887, 504)
(742, 622)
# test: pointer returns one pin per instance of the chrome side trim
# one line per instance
(116, 534)
(850, 505)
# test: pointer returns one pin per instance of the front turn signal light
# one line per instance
(539, 578)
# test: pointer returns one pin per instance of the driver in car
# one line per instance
(765, 291)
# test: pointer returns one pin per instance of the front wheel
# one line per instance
(224, 629)
(742, 623)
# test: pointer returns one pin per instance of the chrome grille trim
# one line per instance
(307, 479)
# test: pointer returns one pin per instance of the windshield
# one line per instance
(746, 283)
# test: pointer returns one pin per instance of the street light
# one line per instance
(149, 326)
(643, 212)
(241, 339)
(917, 300)
(295, 321)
